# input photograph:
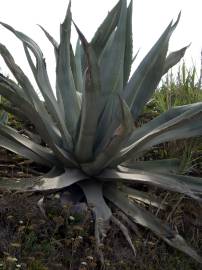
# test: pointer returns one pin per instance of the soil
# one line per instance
(64, 238)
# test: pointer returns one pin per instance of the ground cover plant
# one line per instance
(87, 130)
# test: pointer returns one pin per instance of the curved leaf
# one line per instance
(112, 61)
(64, 77)
(41, 77)
(43, 152)
(165, 181)
(160, 166)
(48, 182)
(104, 158)
(146, 219)
(91, 106)
(148, 74)
(105, 29)
(173, 58)
(129, 44)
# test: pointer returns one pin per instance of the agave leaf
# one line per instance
(107, 125)
(148, 74)
(66, 179)
(40, 72)
(129, 44)
(173, 58)
(65, 80)
(55, 45)
(112, 61)
(186, 125)
(141, 196)
(21, 150)
(135, 56)
(52, 41)
(160, 166)
(90, 105)
(3, 118)
(106, 28)
(43, 82)
(146, 219)
(48, 132)
(161, 119)
(13, 110)
(44, 152)
(93, 191)
(27, 91)
(73, 67)
(195, 183)
(48, 182)
(115, 143)
(165, 181)
(44, 128)
(15, 88)
(78, 62)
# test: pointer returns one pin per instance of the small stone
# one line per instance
(90, 258)
(71, 218)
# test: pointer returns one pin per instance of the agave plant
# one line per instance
(87, 124)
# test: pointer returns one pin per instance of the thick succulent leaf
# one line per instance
(160, 166)
(112, 61)
(141, 196)
(44, 128)
(194, 183)
(44, 152)
(39, 71)
(66, 179)
(105, 29)
(47, 182)
(185, 125)
(13, 110)
(48, 132)
(160, 120)
(50, 38)
(146, 219)
(27, 91)
(78, 62)
(109, 120)
(165, 181)
(148, 74)
(114, 144)
(73, 67)
(21, 150)
(93, 191)
(41, 76)
(135, 56)
(129, 44)
(3, 118)
(91, 106)
(55, 45)
(65, 79)
(52, 41)
(173, 58)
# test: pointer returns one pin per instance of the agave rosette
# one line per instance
(88, 126)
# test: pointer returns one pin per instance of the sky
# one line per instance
(150, 18)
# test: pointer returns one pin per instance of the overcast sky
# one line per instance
(150, 17)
